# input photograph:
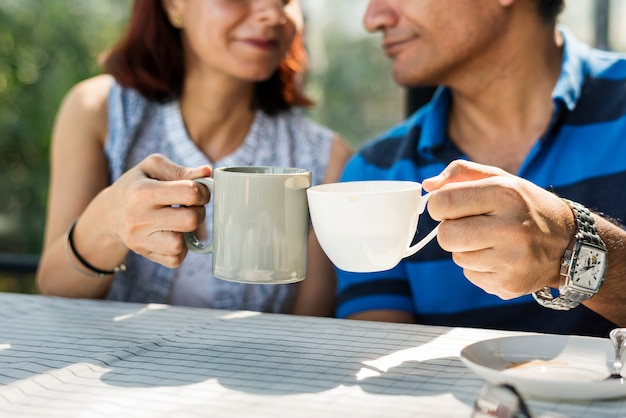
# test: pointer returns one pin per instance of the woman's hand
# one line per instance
(152, 205)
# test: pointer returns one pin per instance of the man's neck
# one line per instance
(497, 117)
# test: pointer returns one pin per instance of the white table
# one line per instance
(85, 358)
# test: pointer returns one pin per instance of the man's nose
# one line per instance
(378, 15)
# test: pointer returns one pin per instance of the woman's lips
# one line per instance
(264, 44)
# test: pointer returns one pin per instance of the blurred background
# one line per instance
(48, 46)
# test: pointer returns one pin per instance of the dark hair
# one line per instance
(549, 10)
(149, 59)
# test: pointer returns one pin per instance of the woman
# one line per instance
(194, 84)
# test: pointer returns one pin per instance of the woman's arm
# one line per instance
(133, 213)
(78, 173)
(316, 294)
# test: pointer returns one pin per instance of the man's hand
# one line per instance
(507, 234)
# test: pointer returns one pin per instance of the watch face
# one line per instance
(590, 268)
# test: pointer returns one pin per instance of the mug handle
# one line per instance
(432, 234)
(191, 241)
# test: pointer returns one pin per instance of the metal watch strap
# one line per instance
(564, 302)
(586, 232)
(586, 226)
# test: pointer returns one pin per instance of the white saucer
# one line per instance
(548, 366)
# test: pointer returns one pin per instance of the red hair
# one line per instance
(149, 59)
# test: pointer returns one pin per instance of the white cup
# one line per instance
(367, 226)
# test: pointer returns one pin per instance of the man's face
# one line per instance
(435, 41)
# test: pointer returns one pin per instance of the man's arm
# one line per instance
(610, 301)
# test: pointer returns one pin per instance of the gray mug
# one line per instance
(260, 224)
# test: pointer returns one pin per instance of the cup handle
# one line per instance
(191, 241)
(432, 234)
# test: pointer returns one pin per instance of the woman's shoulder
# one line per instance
(87, 102)
(101, 99)
(92, 91)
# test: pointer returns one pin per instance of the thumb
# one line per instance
(461, 170)
(159, 167)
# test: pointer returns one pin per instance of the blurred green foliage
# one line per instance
(355, 92)
(18, 283)
(45, 48)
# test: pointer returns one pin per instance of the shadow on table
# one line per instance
(143, 346)
(284, 362)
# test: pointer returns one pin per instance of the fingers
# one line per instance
(156, 202)
(465, 189)
(159, 193)
(484, 196)
(461, 170)
(506, 233)
(179, 219)
(158, 167)
(158, 182)
(158, 234)
(468, 234)
(164, 247)
(497, 271)
(176, 219)
(482, 243)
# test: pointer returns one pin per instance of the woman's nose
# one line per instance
(271, 11)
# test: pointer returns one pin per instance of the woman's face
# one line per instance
(245, 39)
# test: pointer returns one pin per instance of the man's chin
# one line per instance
(407, 79)
(411, 78)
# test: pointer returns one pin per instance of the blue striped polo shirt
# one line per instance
(581, 156)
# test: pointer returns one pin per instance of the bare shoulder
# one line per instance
(340, 152)
(85, 105)
(91, 94)
(341, 147)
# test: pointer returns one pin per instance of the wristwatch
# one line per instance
(583, 267)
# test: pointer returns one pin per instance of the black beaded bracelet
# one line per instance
(96, 271)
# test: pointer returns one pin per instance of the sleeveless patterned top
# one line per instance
(137, 128)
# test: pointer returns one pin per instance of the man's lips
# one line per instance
(393, 46)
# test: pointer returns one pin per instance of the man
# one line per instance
(525, 116)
